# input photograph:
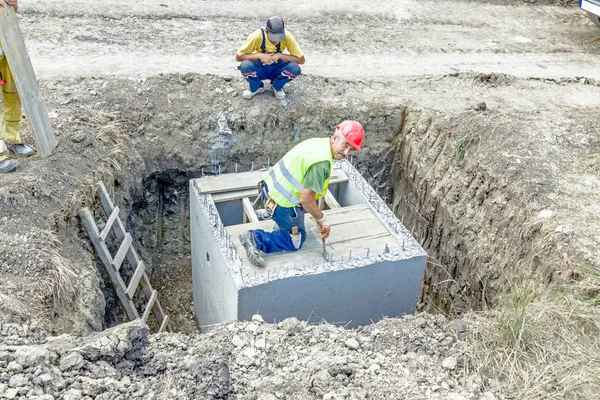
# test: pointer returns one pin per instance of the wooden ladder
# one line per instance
(113, 264)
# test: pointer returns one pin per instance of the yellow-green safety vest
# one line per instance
(285, 179)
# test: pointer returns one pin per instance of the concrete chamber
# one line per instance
(374, 268)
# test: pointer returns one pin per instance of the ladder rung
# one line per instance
(120, 256)
(135, 280)
(164, 324)
(149, 306)
(109, 223)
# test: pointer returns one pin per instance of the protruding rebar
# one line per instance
(252, 166)
(368, 251)
(236, 168)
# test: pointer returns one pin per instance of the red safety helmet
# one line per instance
(352, 132)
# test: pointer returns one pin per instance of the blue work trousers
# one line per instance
(280, 238)
(278, 73)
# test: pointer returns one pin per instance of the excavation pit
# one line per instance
(374, 268)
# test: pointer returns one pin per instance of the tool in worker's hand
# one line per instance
(325, 254)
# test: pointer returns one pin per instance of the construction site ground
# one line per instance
(483, 136)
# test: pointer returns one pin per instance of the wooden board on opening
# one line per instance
(354, 229)
(27, 85)
(247, 180)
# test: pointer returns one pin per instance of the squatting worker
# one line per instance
(294, 184)
(10, 114)
(262, 57)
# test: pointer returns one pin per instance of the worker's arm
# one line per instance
(265, 58)
(14, 3)
(288, 58)
(308, 202)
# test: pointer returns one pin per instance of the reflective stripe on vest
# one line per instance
(285, 179)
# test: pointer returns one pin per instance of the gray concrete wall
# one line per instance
(231, 212)
(357, 295)
(348, 195)
(215, 292)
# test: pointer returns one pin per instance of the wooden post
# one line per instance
(27, 85)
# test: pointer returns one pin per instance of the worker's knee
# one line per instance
(292, 69)
(247, 66)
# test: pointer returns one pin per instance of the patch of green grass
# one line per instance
(460, 148)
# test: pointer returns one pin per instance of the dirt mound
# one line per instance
(408, 357)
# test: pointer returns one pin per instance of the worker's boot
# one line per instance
(248, 94)
(20, 150)
(249, 243)
(279, 94)
(7, 165)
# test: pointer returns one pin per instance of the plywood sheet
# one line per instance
(247, 180)
(353, 229)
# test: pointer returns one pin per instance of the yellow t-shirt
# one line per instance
(252, 44)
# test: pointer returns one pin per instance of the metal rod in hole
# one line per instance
(350, 255)
(368, 251)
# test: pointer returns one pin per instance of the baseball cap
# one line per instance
(276, 29)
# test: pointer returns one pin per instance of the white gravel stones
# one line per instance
(14, 367)
(258, 318)
(11, 394)
(71, 361)
(18, 380)
(449, 363)
(352, 344)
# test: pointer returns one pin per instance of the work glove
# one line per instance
(324, 227)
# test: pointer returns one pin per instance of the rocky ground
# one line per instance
(482, 135)
(408, 358)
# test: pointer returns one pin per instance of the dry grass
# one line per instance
(114, 140)
(541, 345)
(58, 285)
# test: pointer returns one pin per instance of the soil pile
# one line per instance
(412, 357)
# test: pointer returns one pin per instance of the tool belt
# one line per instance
(268, 202)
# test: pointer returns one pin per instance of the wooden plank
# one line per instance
(122, 252)
(24, 75)
(109, 223)
(149, 306)
(164, 324)
(331, 201)
(104, 254)
(248, 180)
(235, 195)
(249, 210)
(135, 280)
(355, 229)
(147, 290)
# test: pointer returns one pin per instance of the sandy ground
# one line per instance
(344, 39)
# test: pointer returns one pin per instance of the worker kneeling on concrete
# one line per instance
(262, 57)
(292, 186)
